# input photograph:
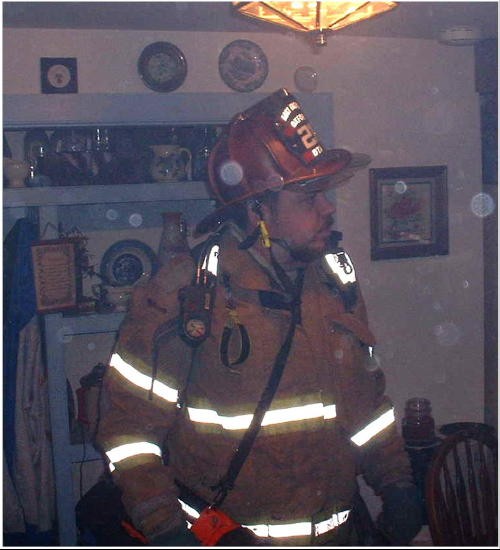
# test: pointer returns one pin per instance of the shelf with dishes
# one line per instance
(94, 194)
(107, 155)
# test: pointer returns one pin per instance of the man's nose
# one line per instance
(325, 205)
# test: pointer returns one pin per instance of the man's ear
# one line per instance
(257, 211)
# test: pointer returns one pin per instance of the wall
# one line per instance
(406, 102)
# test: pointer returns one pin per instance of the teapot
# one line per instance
(170, 162)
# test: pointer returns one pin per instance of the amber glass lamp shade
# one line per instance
(314, 17)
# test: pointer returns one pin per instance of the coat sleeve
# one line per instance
(368, 413)
(138, 404)
(383, 458)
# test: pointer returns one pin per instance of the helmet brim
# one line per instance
(337, 167)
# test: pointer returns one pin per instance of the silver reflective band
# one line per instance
(188, 510)
(331, 523)
(209, 416)
(131, 449)
(302, 528)
(343, 269)
(298, 529)
(373, 428)
(143, 381)
(277, 416)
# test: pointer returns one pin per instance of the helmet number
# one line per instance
(307, 136)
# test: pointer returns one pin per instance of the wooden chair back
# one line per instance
(462, 489)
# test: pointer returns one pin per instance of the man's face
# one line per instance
(303, 220)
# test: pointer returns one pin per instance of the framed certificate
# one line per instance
(54, 267)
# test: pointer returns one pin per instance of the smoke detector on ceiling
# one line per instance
(460, 36)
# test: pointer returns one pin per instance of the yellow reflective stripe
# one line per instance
(209, 416)
(142, 380)
(302, 528)
(131, 449)
(298, 529)
(373, 428)
(304, 412)
(277, 416)
(290, 529)
(328, 524)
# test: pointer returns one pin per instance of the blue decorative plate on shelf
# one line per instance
(127, 262)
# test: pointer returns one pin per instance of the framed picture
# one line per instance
(408, 212)
(58, 75)
(55, 273)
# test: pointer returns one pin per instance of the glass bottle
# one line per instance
(38, 168)
(201, 156)
(418, 423)
(173, 239)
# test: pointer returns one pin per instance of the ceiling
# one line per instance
(409, 19)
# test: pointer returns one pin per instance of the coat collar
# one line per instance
(251, 268)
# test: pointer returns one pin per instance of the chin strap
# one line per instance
(250, 240)
(260, 230)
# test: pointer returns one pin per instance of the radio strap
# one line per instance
(226, 483)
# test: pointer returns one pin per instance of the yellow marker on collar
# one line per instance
(264, 234)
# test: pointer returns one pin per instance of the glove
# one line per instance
(240, 537)
(180, 537)
(401, 517)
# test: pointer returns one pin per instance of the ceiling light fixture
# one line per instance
(314, 17)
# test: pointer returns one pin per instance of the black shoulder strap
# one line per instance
(227, 481)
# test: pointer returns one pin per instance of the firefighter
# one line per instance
(243, 396)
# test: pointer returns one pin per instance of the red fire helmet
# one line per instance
(270, 146)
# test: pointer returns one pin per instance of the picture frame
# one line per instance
(408, 212)
(59, 75)
(55, 275)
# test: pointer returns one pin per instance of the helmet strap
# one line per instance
(250, 240)
(261, 229)
(264, 234)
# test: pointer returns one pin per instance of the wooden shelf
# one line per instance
(96, 194)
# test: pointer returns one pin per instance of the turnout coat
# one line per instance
(328, 422)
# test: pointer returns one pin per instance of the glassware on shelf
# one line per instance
(200, 162)
(101, 140)
(418, 423)
(173, 240)
(37, 176)
(15, 171)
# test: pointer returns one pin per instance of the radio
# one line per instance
(197, 300)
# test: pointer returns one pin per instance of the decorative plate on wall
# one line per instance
(243, 65)
(127, 262)
(58, 75)
(162, 66)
